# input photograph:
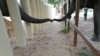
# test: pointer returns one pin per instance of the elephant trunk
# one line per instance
(27, 18)
(71, 10)
(67, 15)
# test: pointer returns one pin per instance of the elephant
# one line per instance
(24, 15)
(95, 5)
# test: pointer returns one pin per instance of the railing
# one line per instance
(86, 40)
(89, 44)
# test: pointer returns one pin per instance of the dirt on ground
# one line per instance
(51, 42)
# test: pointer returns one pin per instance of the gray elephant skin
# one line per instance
(24, 15)
(95, 5)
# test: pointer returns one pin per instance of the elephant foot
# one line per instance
(95, 38)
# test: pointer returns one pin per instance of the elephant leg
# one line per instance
(71, 10)
(4, 8)
(96, 36)
(68, 14)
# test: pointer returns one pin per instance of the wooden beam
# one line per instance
(76, 20)
(68, 10)
(92, 48)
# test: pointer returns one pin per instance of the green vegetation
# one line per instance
(64, 30)
(85, 52)
(55, 3)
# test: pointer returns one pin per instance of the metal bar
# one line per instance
(95, 51)
(76, 20)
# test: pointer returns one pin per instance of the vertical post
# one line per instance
(68, 10)
(68, 26)
(37, 15)
(43, 8)
(28, 26)
(45, 12)
(65, 10)
(16, 20)
(33, 13)
(33, 7)
(76, 20)
(42, 12)
(39, 11)
(5, 46)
